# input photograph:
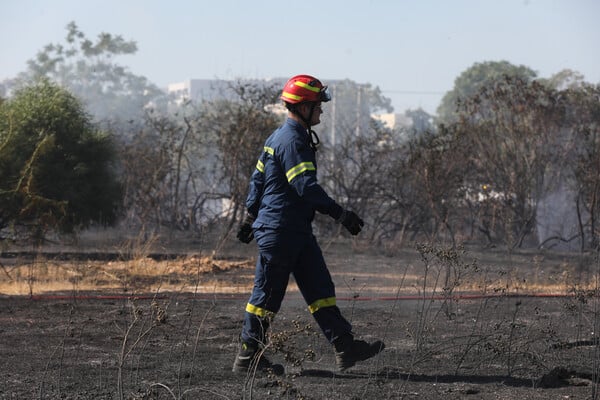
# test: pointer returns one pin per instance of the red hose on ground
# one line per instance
(222, 296)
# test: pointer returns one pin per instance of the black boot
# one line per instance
(251, 358)
(349, 351)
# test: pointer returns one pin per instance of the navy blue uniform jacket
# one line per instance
(284, 193)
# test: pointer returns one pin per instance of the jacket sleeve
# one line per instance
(301, 173)
(257, 184)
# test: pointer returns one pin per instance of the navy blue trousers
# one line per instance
(282, 254)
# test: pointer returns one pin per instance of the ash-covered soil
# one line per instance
(525, 328)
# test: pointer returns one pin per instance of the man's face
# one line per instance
(316, 116)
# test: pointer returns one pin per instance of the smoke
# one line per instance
(557, 223)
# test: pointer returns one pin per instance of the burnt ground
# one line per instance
(522, 328)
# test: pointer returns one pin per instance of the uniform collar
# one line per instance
(295, 124)
(303, 133)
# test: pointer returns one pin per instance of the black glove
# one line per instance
(351, 221)
(245, 233)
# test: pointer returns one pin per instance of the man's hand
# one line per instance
(245, 233)
(351, 221)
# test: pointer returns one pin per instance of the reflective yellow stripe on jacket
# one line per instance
(298, 169)
(260, 166)
(321, 303)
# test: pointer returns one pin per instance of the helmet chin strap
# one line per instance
(314, 139)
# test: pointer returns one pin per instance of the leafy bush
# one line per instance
(55, 167)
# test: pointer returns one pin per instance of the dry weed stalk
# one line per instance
(445, 271)
(282, 342)
(596, 331)
(158, 316)
(61, 347)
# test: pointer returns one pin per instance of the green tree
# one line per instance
(55, 167)
(470, 81)
(109, 90)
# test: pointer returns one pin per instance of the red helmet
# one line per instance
(301, 88)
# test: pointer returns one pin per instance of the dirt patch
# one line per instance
(525, 328)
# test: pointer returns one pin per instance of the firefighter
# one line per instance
(283, 197)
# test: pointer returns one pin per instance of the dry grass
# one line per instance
(357, 271)
(142, 275)
(404, 275)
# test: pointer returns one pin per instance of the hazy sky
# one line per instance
(413, 50)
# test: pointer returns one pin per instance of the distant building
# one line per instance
(199, 90)
(394, 120)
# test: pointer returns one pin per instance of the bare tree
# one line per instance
(237, 131)
(584, 117)
(439, 167)
(147, 163)
(399, 186)
(513, 130)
